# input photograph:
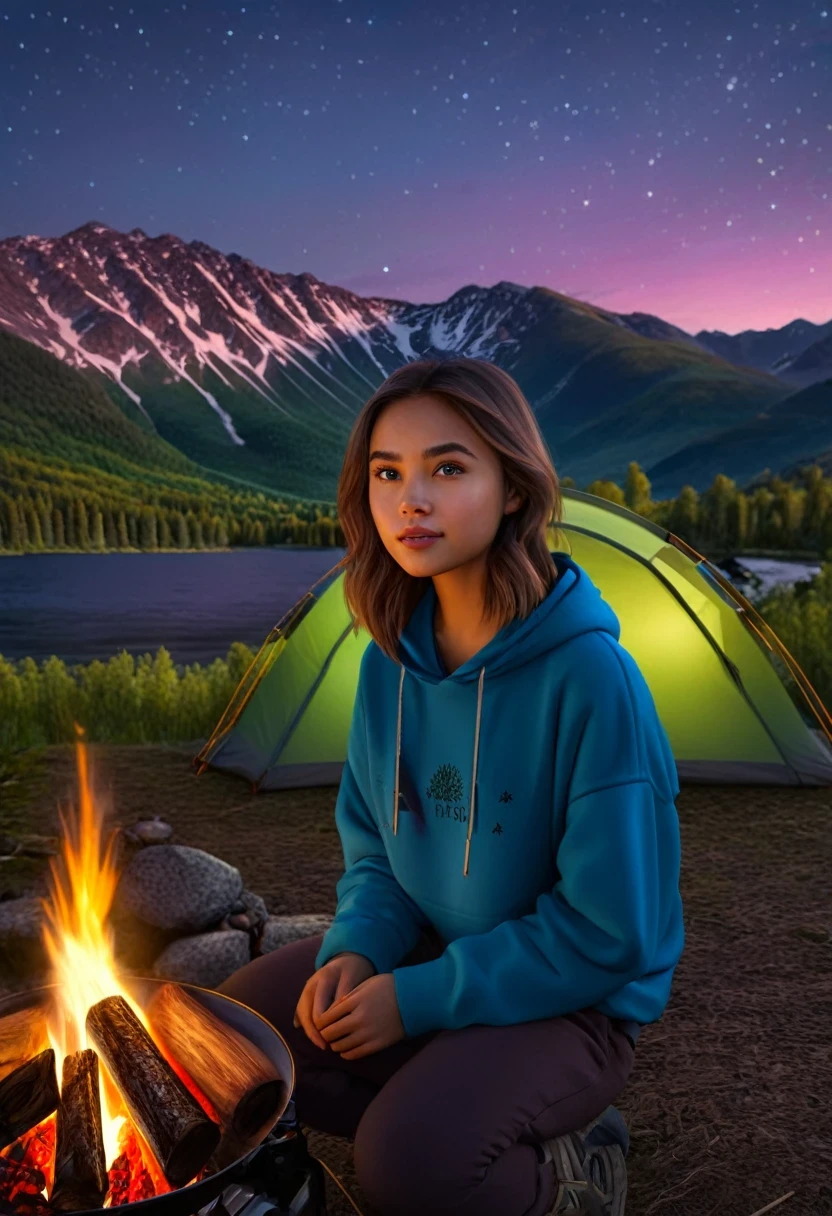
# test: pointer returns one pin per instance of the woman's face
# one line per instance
(458, 492)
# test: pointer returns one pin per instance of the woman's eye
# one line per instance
(449, 464)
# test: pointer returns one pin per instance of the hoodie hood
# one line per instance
(572, 607)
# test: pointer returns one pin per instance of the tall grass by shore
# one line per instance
(128, 699)
(150, 699)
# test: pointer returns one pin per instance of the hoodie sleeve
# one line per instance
(599, 928)
(374, 915)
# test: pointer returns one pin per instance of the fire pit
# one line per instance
(265, 1161)
(125, 1092)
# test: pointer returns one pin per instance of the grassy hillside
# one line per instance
(76, 473)
(49, 409)
(791, 431)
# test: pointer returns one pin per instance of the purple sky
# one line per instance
(662, 156)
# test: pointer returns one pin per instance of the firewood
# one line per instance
(80, 1166)
(239, 1081)
(177, 1130)
(22, 1035)
(27, 1096)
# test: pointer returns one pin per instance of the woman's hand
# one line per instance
(365, 1020)
(329, 983)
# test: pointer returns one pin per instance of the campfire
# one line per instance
(113, 1088)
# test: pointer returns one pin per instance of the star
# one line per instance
(505, 796)
(497, 829)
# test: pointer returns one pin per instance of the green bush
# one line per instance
(801, 616)
(148, 699)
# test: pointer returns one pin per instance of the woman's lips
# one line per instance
(419, 542)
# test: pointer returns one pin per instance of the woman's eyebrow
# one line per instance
(438, 449)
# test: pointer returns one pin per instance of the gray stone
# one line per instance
(254, 908)
(206, 959)
(152, 831)
(279, 930)
(176, 887)
(21, 918)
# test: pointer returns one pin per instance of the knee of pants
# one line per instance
(399, 1167)
(271, 985)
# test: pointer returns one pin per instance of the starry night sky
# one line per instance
(665, 156)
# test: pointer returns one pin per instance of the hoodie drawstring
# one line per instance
(474, 767)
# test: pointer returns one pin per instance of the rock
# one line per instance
(21, 918)
(279, 930)
(8, 846)
(21, 941)
(206, 959)
(254, 908)
(173, 886)
(151, 831)
(239, 920)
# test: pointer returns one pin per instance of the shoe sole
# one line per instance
(611, 1158)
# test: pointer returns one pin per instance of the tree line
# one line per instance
(46, 507)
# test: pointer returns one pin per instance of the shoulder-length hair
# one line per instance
(379, 594)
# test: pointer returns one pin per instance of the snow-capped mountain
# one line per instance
(260, 374)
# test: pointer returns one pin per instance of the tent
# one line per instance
(735, 704)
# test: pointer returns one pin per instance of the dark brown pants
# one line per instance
(446, 1123)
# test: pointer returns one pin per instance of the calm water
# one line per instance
(83, 606)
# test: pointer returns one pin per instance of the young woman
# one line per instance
(509, 915)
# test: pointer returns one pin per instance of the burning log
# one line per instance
(177, 1130)
(22, 1035)
(80, 1166)
(239, 1081)
(27, 1096)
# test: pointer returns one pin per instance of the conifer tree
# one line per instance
(180, 530)
(82, 524)
(58, 528)
(97, 537)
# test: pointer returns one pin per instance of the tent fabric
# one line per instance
(736, 706)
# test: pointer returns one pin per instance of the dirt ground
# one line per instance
(729, 1103)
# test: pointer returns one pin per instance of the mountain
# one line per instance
(785, 352)
(258, 375)
(791, 433)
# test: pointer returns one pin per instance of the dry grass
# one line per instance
(729, 1102)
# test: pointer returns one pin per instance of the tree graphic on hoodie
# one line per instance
(446, 784)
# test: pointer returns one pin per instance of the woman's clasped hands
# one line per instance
(347, 1007)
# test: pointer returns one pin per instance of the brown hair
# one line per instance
(380, 595)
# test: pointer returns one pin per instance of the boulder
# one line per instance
(206, 959)
(279, 930)
(22, 918)
(21, 942)
(173, 886)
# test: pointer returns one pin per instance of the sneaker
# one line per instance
(590, 1170)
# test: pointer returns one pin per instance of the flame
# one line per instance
(79, 942)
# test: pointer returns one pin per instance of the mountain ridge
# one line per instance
(258, 375)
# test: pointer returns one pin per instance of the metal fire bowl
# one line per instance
(187, 1200)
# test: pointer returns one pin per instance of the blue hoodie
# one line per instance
(555, 887)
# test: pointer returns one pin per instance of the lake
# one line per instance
(83, 606)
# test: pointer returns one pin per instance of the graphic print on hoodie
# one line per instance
(535, 825)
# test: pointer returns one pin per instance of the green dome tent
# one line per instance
(735, 705)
